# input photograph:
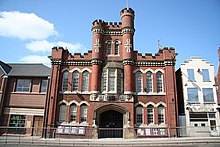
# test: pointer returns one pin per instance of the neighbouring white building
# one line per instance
(197, 99)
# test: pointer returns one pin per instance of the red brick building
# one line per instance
(112, 91)
(217, 79)
(23, 89)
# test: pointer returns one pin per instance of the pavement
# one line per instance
(113, 142)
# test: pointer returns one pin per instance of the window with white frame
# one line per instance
(138, 77)
(205, 75)
(23, 85)
(75, 81)
(62, 115)
(116, 48)
(65, 81)
(85, 81)
(150, 114)
(190, 73)
(112, 80)
(159, 77)
(149, 82)
(139, 115)
(193, 96)
(161, 114)
(109, 48)
(208, 95)
(73, 113)
(83, 113)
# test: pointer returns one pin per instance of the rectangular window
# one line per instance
(17, 122)
(139, 115)
(190, 73)
(193, 96)
(83, 113)
(149, 82)
(73, 113)
(150, 115)
(23, 85)
(138, 82)
(208, 95)
(160, 115)
(111, 82)
(205, 75)
(85, 81)
(43, 86)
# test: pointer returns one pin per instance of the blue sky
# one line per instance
(29, 28)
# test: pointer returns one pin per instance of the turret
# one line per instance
(127, 18)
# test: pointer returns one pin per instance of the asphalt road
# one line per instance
(146, 145)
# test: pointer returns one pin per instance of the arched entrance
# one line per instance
(110, 120)
(111, 124)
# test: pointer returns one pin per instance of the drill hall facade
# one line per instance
(111, 91)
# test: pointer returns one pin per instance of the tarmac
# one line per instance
(109, 141)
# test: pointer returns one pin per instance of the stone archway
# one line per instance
(110, 120)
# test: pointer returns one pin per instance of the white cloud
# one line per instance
(45, 46)
(25, 26)
(36, 59)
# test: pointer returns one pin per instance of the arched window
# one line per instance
(73, 113)
(159, 76)
(139, 115)
(109, 48)
(150, 114)
(138, 82)
(75, 80)
(161, 114)
(65, 81)
(85, 81)
(116, 48)
(149, 82)
(62, 116)
(83, 113)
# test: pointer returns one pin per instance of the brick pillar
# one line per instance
(128, 77)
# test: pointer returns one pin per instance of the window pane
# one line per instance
(62, 112)
(161, 114)
(149, 82)
(111, 80)
(65, 80)
(116, 48)
(208, 95)
(75, 80)
(109, 48)
(43, 86)
(150, 114)
(17, 122)
(191, 74)
(73, 113)
(104, 80)
(138, 82)
(120, 81)
(139, 115)
(205, 75)
(23, 85)
(159, 76)
(85, 81)
(83, 113)
(193, 95)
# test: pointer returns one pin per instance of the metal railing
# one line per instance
(72, 134)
